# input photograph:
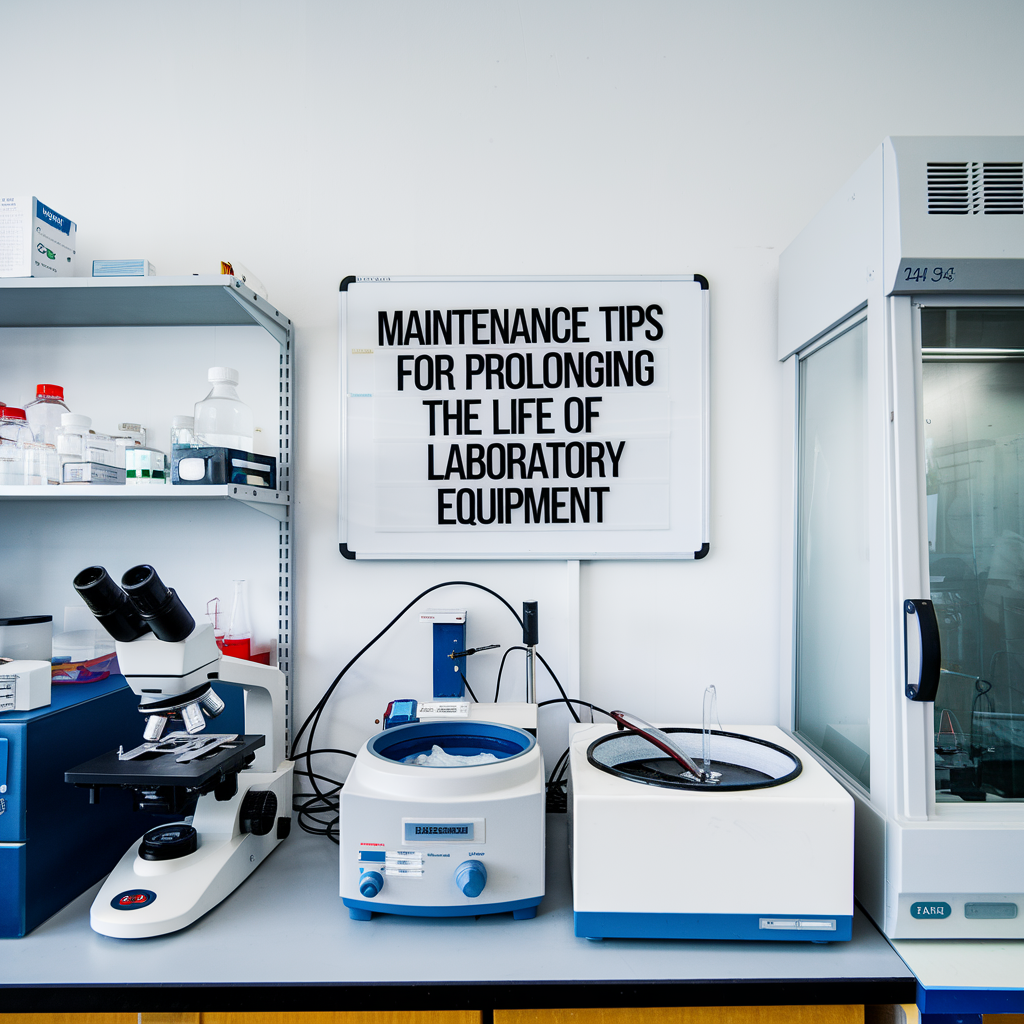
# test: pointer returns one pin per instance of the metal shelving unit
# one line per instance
(195, 301)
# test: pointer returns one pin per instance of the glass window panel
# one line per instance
(972, 328)
(974, 457)
(832, 553)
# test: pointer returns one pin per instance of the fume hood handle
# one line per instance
(925, 686)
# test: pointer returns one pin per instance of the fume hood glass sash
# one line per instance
(832, 667)
(972, 405)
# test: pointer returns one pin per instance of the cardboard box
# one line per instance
(35, 241)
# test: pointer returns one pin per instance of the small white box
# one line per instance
(144, 466)
(92, 473)
(35, 241)
(122, 268)
(100, 448)
(24, 685)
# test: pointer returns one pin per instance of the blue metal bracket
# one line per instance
(449, 637)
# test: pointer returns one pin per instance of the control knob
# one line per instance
(471, 877)
(259, 811)
(370, 883)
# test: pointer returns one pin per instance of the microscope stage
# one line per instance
(164, 769)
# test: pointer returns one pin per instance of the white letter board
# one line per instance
(524, 417)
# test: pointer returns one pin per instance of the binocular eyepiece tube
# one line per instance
(144, 604)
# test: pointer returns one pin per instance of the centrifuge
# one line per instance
(759, 846)
(444, 819)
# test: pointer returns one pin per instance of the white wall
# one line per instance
(315, 140)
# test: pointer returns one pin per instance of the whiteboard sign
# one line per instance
(524, 417)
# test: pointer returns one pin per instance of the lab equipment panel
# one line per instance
(54, 843)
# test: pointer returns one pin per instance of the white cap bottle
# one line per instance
(71, 434)
(222, 419)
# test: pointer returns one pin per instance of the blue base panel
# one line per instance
(590, 925)
(522, 910)
(957, 1002)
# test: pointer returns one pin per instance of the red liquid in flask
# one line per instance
(235, 647)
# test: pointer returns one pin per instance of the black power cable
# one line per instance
(321, 801)
(465, 682)
(501, 668)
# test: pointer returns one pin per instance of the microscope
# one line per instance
(233, 792)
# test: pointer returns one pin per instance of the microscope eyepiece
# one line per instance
(158, 606)
(109, 603)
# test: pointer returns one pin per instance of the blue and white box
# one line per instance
(122, 268)
(35, 240)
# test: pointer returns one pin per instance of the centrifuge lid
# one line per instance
(744, 761)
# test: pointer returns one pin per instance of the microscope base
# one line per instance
(142, 898)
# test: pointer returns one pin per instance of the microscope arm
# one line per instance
(264, 706)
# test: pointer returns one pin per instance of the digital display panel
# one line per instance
(440, 832)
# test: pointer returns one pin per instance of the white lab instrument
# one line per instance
(901, 328)
(24, 685)
(444, 841)
(763, 851)
(178, 872)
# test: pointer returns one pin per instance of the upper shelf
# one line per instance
(201, 300)
(273, 503)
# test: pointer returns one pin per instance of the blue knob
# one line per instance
(370, 883)
(471, 877)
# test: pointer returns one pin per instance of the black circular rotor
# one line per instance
(655, 769)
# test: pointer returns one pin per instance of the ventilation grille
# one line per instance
(1003, 188)
(970, 187)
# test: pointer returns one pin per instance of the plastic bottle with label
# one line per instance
(44, 413)
(222, 419)
(14, 433)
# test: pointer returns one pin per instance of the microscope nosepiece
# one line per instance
(109, 603)
(158, 606)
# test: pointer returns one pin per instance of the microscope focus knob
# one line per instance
(259, 811)
(370, 883)
(471, 877)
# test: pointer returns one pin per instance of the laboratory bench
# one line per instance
(284, 941)
(965, 979)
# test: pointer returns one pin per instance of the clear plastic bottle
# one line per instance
(14, 433)
(71, 437)
(182, 432)
(44, 412)
(222, 419)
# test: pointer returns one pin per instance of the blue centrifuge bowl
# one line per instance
(466, 738)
